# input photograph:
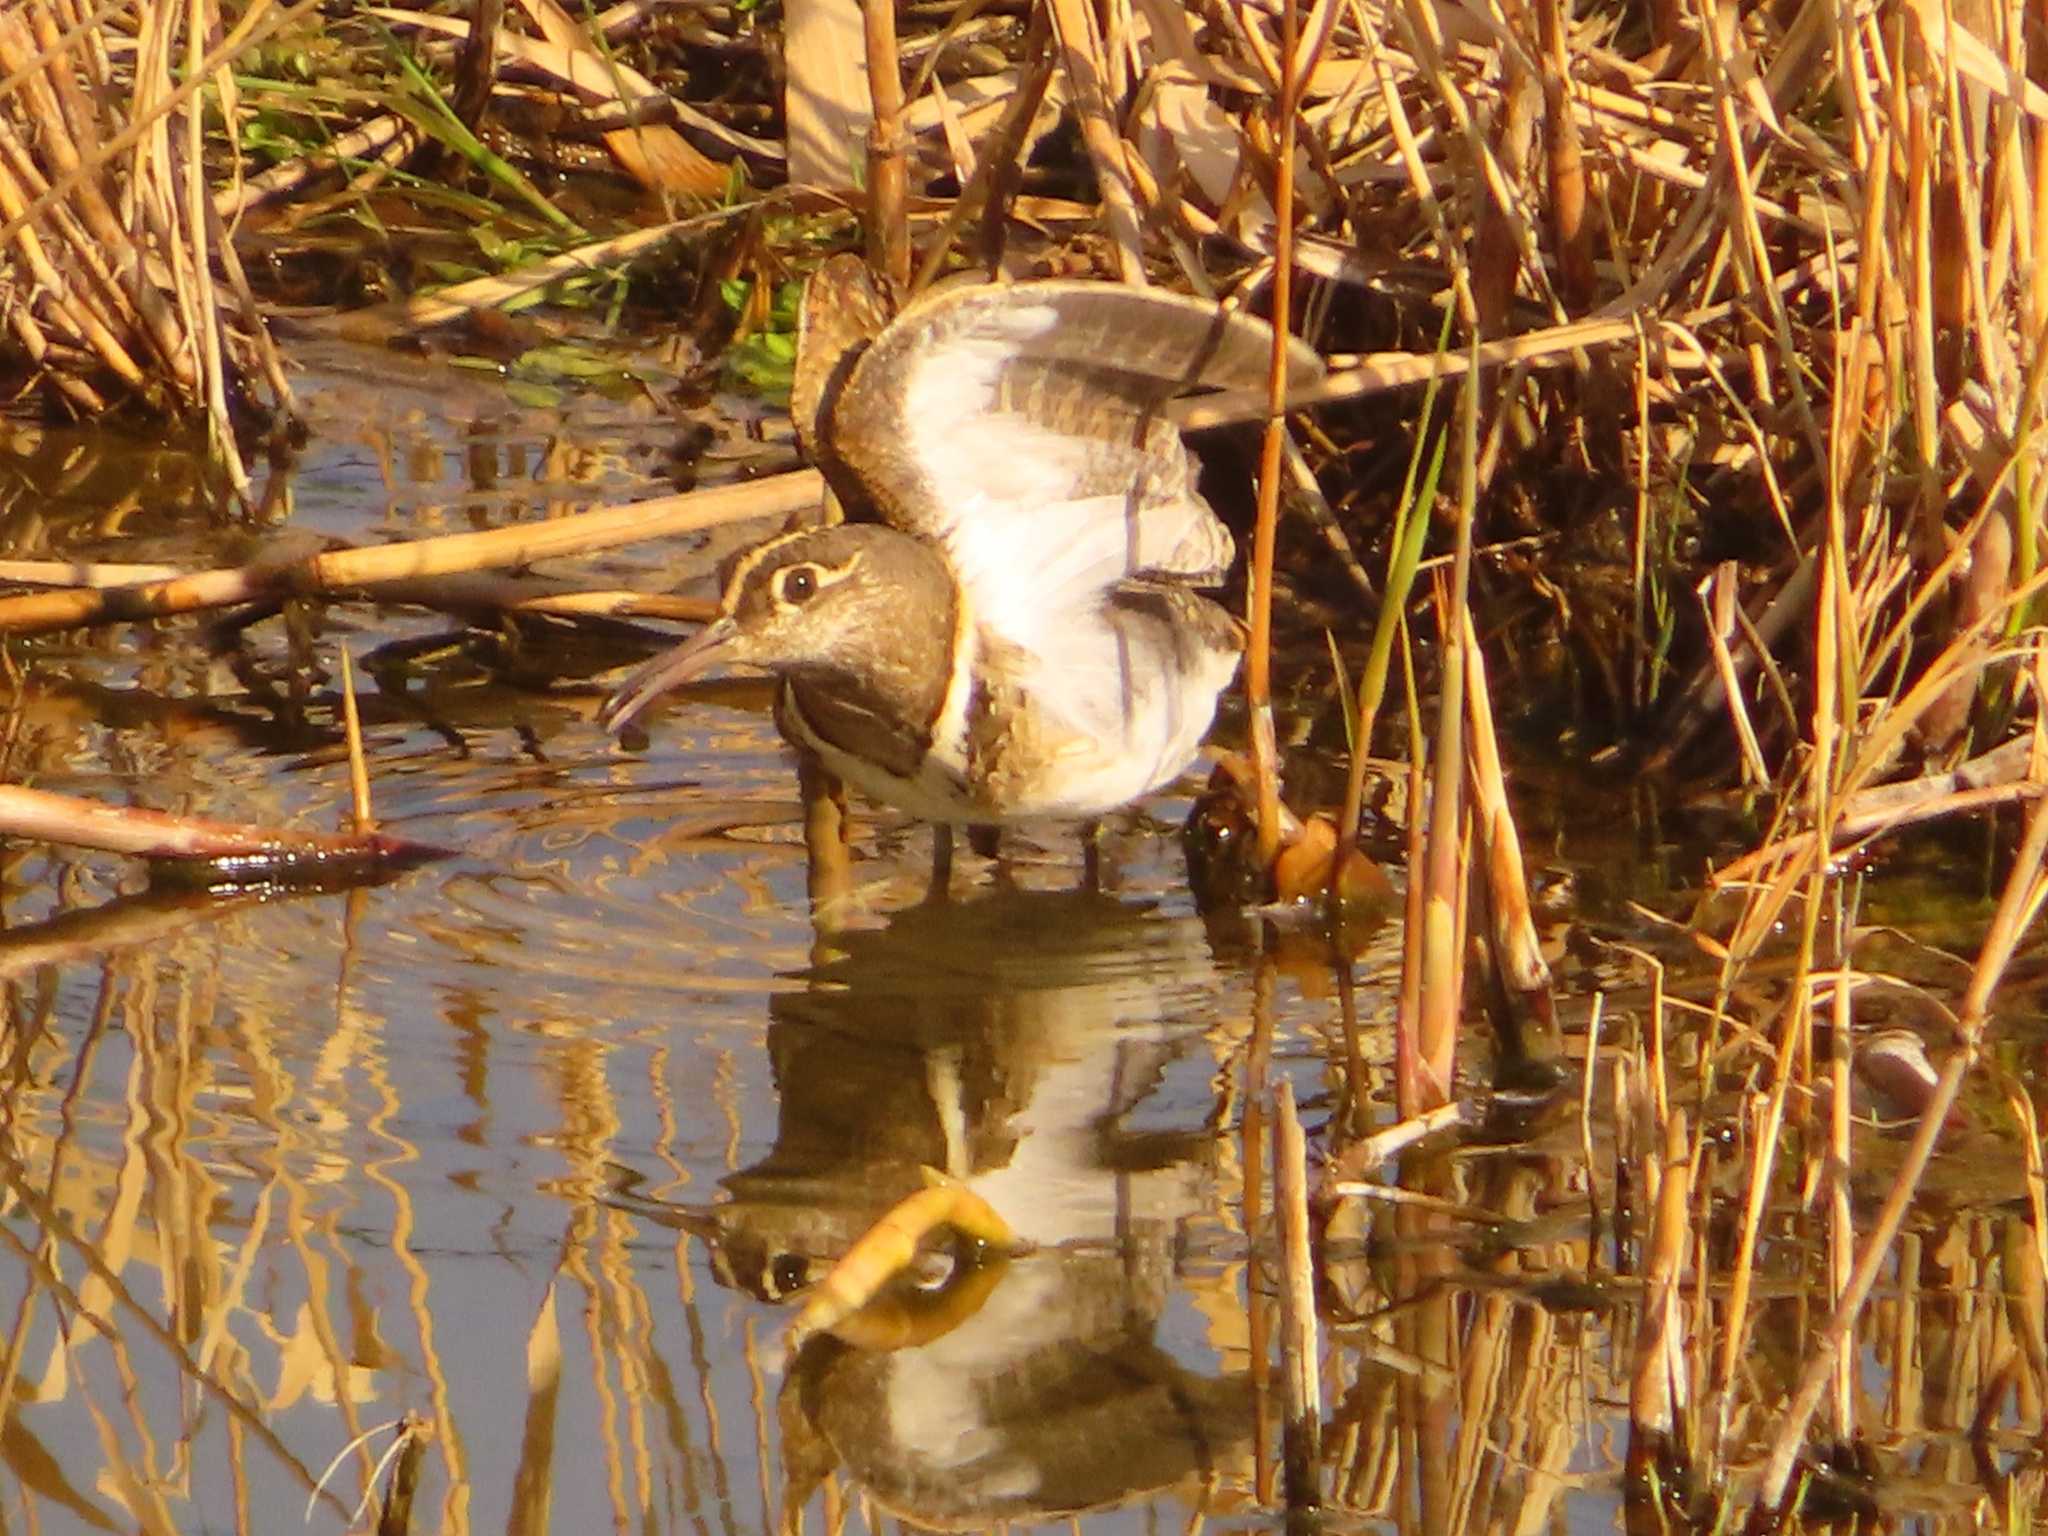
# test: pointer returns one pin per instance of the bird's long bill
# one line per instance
(671, 669)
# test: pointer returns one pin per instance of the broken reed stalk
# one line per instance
(362, 819)
(415, 1434)
(1517, 952)
(1658, 1385)
(234, 851)
(998, 164)
(1258, 666)
(1300, 1345)
(340, 572)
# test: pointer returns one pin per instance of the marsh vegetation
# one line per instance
(1575, 1064)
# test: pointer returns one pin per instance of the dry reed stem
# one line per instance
(387, 137)
(1258, 685)
(1717, 603)
(347, 570)
(1659, 1388)
(888, 171)
(1383, 1145)
(1442, 982)
(1082, 55)
(1413, 1095)
(362, 818)
(63, 184)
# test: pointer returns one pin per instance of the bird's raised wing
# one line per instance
(1019, 428)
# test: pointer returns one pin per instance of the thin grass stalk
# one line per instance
(888, 168)
(1259, 651)
(2019, 903)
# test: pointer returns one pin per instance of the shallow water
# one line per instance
(538, 1142)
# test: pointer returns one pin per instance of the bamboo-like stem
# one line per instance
(343, 571)
(888, 159)
(1258, 668)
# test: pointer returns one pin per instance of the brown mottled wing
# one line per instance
(1013, 422)
(845, 307)
(1020, 429)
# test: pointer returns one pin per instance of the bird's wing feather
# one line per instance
(1019, 428)
(1008, 417)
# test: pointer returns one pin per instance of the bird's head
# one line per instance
(821, 600)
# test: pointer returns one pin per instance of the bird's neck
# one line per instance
(881, 694)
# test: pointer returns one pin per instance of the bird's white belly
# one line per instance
(1077, 776)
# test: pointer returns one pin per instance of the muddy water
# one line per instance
(538, 1143)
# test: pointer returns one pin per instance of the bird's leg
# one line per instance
(942, 862)
(988, 842)
(1091, 856)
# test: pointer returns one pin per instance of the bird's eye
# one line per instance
(799, 584)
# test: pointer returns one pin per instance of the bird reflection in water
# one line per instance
(1011, 1042)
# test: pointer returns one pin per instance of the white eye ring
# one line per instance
(798, 584)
